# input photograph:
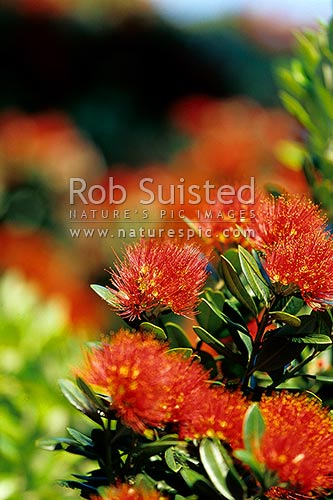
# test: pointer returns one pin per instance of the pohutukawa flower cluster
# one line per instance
(155, 276)
(292, 234)
(184, 416)
(148, 385)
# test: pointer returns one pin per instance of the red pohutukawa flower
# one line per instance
(297, 249)
(146, 383)
(286, 217)
(158, 275)
(297, 443)
(127, 492)
(217, 412)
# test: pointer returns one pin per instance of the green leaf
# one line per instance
(170, 459)
(253, 275)
(246, 340)
(324, 379)
(294, 305)
(159, 446)
(313, 338)
(227, 321)
(220, 470)
(249, 459)
(277, 353)
(215, 466)
(308, 325)
(186, 353)
(158, 332)
(287, 318)
(288, 82)
(199, 483)
(176, 335)
(216, 344)
(52, 444)
(79, 400)
(295, 108)
(207, 317)
(79, 437)
(106, 294)
(235, 285)
(95, 400)
(253, 428)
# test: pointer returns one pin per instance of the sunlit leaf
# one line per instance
(79, 400)
(236, 287)
(170, 459)
(220, 469)
(106, 294)
(313, 338)
(253, 275)
(253, 428)
(158, 332)
(287, 318)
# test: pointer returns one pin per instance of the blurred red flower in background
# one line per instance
(235, 138)
(52, 267)
(48, 145)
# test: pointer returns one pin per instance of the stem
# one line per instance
(257, 345)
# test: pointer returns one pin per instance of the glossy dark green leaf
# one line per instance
(216, 344)
(236, 287)
(287, 318)
(95, 400)
(227, 321)
(199, 484)
(79, 400)
(79, 437)
(209, 363)
(176, 335)
(308, 325)
(277, 353)
(245, 340)
(253, 275)
(158, 332)
(159, 446)
(207, 317)
(253, 428)
(293, 305)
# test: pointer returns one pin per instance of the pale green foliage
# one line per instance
(307, 93)
(36, 348)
